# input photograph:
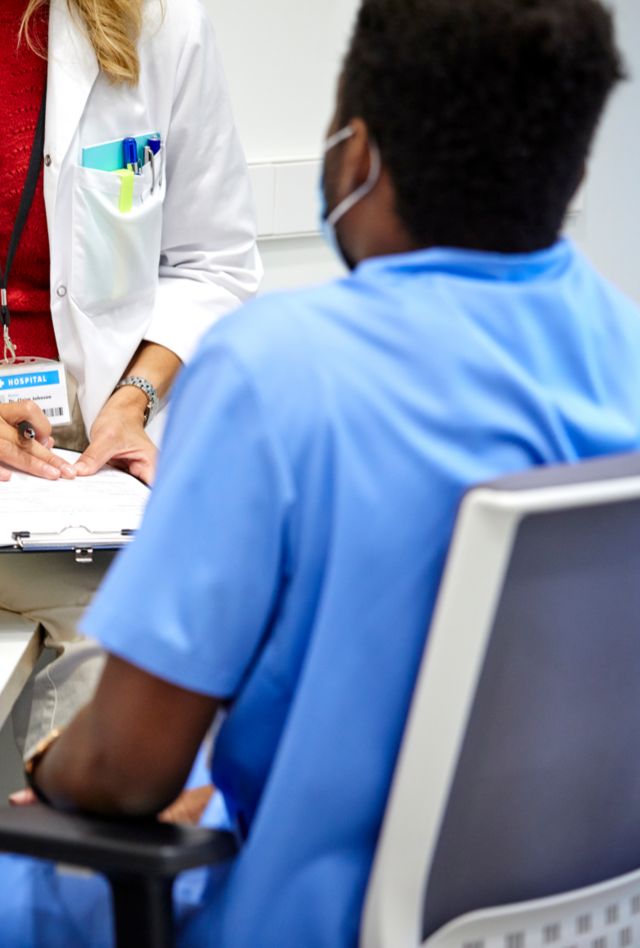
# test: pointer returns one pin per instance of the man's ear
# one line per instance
(356, 160)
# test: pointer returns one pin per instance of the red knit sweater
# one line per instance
(22, 79)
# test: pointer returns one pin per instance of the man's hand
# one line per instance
(187, 809)
(30, 455)
(189, 806)
(129, 751)
(24, 797)
(118, 437)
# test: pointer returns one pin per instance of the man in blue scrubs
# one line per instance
(318, 448)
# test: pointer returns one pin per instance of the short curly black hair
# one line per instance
(484, 111)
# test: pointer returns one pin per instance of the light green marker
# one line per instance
(126, 190)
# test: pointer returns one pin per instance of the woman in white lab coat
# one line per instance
(129, 293)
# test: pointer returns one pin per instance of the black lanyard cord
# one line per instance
(26, 201)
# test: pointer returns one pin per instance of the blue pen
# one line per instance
(151, 149)
(130, 153)
(154, 142)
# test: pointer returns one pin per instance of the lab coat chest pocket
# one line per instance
(115, 254)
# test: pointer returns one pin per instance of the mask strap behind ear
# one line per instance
(374, 176)
(338, 137)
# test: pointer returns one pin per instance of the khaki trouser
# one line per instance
(53, 590)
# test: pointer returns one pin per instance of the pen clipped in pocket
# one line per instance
(111, 155)
(132, 155)
(117, 229)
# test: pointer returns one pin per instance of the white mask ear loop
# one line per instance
(374, 176)
(338, 137)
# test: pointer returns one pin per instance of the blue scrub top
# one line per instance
(315, 457)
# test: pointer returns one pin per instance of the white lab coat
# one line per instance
(186, 254)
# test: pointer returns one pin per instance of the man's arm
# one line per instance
(130, 750)
(224, 495)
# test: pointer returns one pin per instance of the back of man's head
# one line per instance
(484, 111)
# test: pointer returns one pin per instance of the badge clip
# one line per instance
(9, 352)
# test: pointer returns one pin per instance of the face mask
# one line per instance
(330, 219)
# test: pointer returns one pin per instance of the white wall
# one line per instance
(611, 225)
(282, 60)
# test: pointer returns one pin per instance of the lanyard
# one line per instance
(28, 193)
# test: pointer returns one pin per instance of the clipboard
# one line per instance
(81, 541)
(80, 516)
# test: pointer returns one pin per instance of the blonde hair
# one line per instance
(113, 28)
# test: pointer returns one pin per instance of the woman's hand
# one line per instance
(31, 455)
(118, 437)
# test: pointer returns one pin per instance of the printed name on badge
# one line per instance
(44, 383)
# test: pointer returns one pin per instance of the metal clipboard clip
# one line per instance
(79, 540)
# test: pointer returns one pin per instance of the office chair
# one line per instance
(518, 776)
(518, 780)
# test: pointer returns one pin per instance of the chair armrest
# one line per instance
(131, 847)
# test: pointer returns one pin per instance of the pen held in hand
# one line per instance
(26, 430)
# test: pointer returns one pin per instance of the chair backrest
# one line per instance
(519, 772)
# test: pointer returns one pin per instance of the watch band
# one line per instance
(137, 381)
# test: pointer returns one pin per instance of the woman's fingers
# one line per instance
(143, 469)
(32, 458)
(15, 412)
(26, 454)
(94, 457)
(124, 446)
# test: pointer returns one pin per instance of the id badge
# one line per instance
(44, 381)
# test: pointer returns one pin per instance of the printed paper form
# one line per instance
(109, 501)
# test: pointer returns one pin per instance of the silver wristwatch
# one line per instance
(149, 390)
